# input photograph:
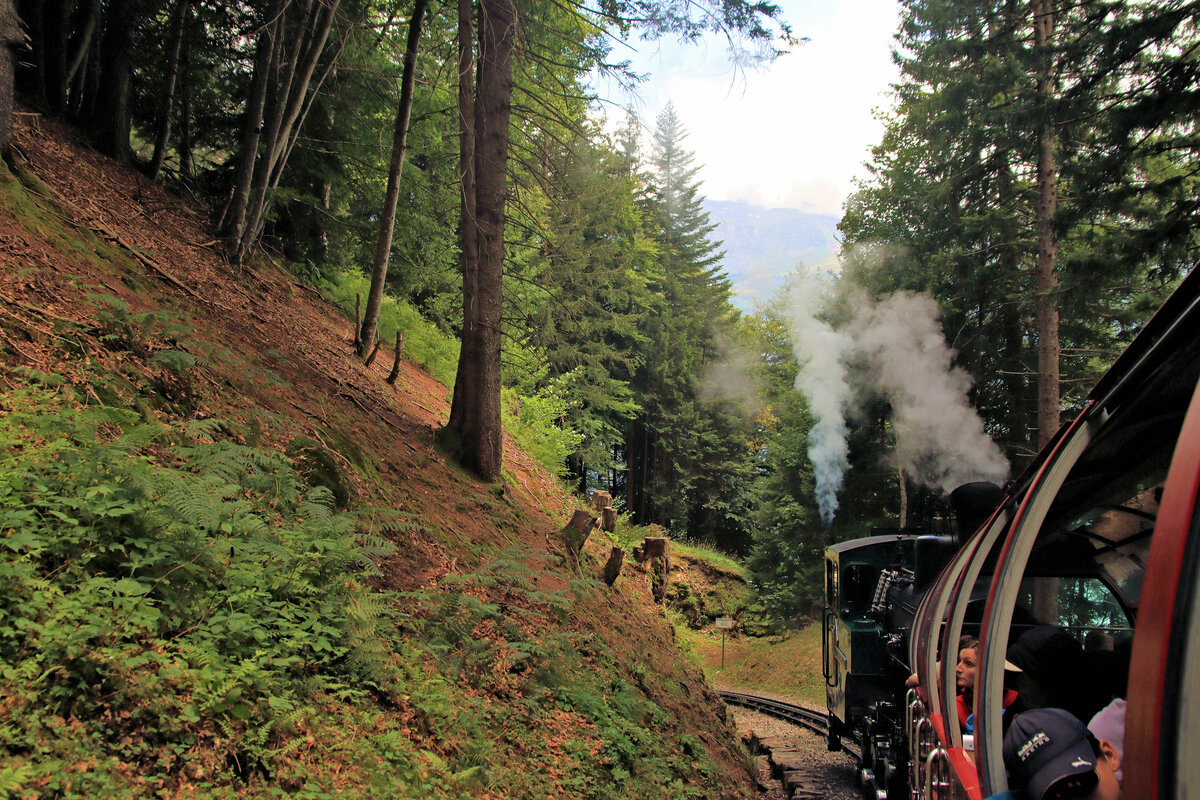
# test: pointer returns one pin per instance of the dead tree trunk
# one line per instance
(387, 221)
(174, 50)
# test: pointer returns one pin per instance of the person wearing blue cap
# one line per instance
(1051, 755)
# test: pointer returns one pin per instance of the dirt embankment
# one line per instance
(103, 271)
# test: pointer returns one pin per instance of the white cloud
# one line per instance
(796, 132)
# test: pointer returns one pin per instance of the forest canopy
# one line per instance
(1034, 192)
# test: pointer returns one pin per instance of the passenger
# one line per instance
(1109, 722)
(968, 654)
(1109, 725)
(1052, 672)
(1050, 755)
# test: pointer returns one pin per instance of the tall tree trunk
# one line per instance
(234, 219)
(1047, 247)
(184, 147)
(480, 434)
(112, 119)
(55, 24)
(468, 229)
(387, 222)
(11, 36)
(83, 45)
(316, 35)
(295, 98)
(174, 49)
(282, 71)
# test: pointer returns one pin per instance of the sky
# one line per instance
(792, 134)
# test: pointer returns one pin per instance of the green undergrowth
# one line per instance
(184, 615)
(707, 584)
(534, 421)
(424, 343)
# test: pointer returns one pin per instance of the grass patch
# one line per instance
(788, 665)
(714, 558)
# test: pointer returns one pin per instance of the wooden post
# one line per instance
(395, 373)
(613, 568)
(357, 321)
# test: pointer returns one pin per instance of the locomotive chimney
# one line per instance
(973, 503)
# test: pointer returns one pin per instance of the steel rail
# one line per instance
(815, 721)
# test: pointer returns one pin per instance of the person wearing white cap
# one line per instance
(1109, 725)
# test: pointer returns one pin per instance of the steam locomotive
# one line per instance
(1099, 537)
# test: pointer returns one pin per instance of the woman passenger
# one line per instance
(964, 676)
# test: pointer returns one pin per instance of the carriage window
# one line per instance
(1084, 606)
(831, 584)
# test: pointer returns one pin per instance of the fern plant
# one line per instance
(161, 587)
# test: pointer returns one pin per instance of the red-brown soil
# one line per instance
(106, 230)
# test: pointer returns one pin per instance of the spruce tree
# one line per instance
(953, 203)
(685, 449)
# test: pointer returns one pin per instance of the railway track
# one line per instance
(812, 720)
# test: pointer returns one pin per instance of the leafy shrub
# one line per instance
(536, 425)
(163, 596)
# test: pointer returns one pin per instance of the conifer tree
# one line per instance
(987, 106)
(683, 442)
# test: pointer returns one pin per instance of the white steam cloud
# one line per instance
(822, 380)
(892, 349)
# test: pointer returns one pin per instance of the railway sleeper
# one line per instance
(798, 785)
(783, 761)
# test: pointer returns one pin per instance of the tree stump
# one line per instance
(613, 568)
(608, 518)
(601, 500)
(656, 550)
(395, 373)
(658, 579)
(576, 533)
(652, 547)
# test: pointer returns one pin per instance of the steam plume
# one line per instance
(942, 440)
(892, 349)
(822, 380)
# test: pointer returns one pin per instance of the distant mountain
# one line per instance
(762, 245)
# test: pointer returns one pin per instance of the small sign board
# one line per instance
(724, 623)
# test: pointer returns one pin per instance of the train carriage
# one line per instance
(1098, 538)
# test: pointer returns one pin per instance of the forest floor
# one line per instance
(93, 253)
